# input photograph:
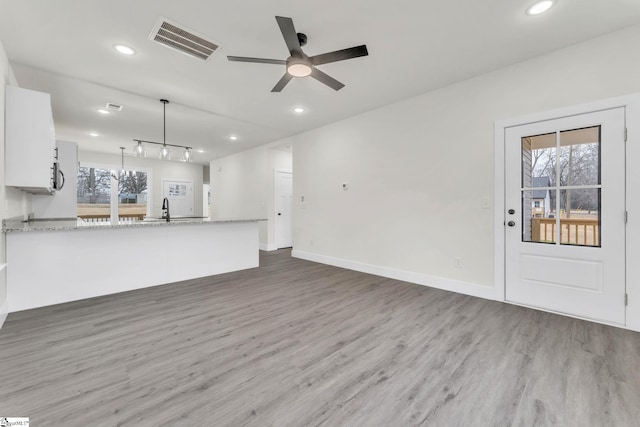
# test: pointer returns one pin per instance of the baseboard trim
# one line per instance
(4, 312)
(4, 308)
(457, 286)
(266, 247)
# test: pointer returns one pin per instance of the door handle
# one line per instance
(511, 224)
(279, 214)
(61, 176)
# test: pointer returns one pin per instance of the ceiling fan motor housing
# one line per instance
(302, 38)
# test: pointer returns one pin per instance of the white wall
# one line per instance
(160, 169)
(419, 170)
(12, 202)
(242, 186)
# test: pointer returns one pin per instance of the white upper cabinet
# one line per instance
(30, 140)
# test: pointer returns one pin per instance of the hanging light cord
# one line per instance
(113, 175)
(164, 120)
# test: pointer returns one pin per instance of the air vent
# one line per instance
(175, 36)
(113, 107)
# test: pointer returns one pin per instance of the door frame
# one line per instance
(163, 181)
(631, 103)
(275, 207)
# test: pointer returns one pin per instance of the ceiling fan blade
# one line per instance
(326, 79)
(290, 35)
(257, 60)
(282, 82)
(340, 55)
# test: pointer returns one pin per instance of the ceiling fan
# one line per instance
(301, 65)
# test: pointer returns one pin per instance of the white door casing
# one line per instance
(206, 200)
(581, 281)
(283, 193)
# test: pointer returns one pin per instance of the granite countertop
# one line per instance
(19, 225)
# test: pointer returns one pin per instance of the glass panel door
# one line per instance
(564, 187)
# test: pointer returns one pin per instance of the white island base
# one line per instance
(57, 266)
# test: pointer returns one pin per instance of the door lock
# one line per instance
(511, 223)
(511, 211)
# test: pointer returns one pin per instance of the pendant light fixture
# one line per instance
(165, 152)
(139, 150)
(120, 174)
(186, 156)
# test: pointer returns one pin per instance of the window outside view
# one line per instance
(94, 194)
(561, 187)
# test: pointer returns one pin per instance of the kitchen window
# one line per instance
(132, 195)
(95, 194)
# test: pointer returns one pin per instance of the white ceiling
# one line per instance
(65, 47)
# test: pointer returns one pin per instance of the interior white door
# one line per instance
(569, 258)
(206, 200)
(283, 191)
(180, 195)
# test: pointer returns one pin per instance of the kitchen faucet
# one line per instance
(165, 209)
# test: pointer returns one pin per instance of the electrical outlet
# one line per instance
(457, 262)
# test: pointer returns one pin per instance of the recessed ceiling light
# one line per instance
(125, 50)
(94, 134)
(201, 151)
(299, 110)
(103, 111)
(233, 137)
(540, 7)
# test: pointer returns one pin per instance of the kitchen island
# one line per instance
(52, 262)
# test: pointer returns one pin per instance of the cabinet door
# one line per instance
(30, 140)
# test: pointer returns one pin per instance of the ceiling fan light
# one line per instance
(299, 69)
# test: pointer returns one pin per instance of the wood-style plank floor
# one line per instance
(294, 343)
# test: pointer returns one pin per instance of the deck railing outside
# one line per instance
(573, 231)
(102, 212)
